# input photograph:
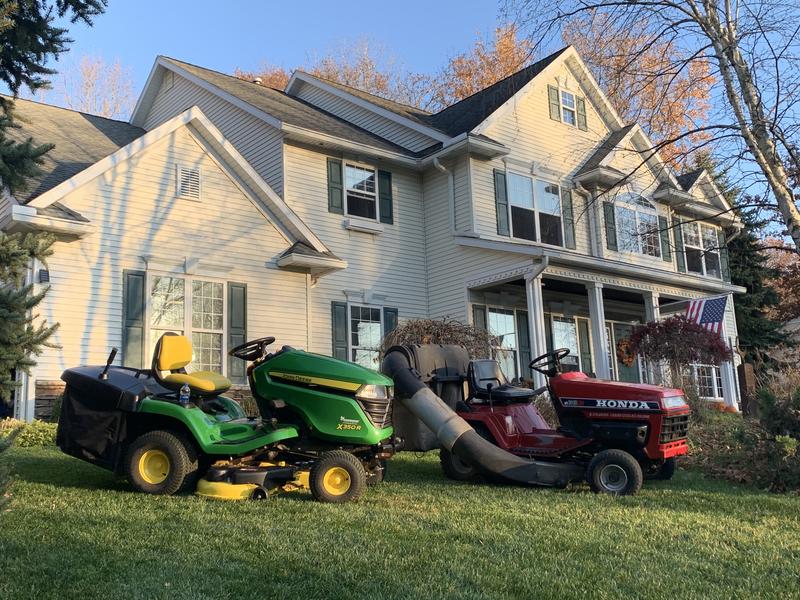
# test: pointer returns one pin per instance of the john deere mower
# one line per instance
(324, 424)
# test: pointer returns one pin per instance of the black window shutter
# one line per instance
(555, 102)
(524, 337)
(237, 329)
(339, 329)
(580, 103)
(568, 215)
(385, 197)
(666, 246)
(611, 225)
(335, 187)
(723, 256)
(389, 320)
(133, 300)
(680, 257)
(501, 202)
(479, 316)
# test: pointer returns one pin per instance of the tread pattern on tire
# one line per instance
(183, 462)
(622, 458)
(338, 458)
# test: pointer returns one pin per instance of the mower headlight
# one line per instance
(375, 392)
(674, 402)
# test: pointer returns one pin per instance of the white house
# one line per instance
(321, 215)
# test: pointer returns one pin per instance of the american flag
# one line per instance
(708, 312)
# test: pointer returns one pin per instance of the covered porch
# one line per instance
(535, 310)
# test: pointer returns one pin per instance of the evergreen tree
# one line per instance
(758, 335)
(30, 36)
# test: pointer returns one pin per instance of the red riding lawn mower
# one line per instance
(619, 432)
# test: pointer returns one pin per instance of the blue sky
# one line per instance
(419, 34)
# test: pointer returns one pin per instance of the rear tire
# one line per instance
(455, 468)
(614, 472)
(337, 477)
(161, 462)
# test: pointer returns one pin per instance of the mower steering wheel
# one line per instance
(549, 363)
(252, 350)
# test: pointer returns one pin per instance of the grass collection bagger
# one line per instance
(324, 424)
(611, 434)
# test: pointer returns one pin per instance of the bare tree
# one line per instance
(752, 48)
(94, 86)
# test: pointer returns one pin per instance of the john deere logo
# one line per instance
(350, 421)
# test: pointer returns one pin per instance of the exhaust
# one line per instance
(447, 364)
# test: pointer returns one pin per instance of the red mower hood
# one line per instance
(579, 385)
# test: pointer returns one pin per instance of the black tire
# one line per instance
(614, 472)
(377, 475)
(338, 476)
(259, 493)
(667, 470)
(455, 468)
(172, 452)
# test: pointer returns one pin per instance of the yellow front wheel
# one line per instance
(161, 462)
(338, 476)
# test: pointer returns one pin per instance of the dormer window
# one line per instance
(637, 225)
(701, 243)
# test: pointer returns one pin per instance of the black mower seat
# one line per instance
(173, 352)
(484, 373)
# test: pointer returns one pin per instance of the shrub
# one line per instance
(780, 413)
(36, 434)
(439, 331)
(5, 470)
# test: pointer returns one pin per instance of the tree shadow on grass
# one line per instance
(60, 470)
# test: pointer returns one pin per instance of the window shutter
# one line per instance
(335, 188)
(611, 225)
(555, 102)
(389, 320)
(723, 256)
(133, 300)
(580, 104)
(666, 246)
(385, 197)
(339, 328)
(569, 218)
(237, 329)
(524, 338)
(680, 257)
(479, 316)
(501, 202)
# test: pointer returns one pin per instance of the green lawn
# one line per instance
(75, 532)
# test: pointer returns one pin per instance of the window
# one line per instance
(701, 245)
(366, 329)
(194, 308)
(360, 191)
(501, 326)
(188, 185)
(568, 108)
(535, 205)
(565, 335)
(708, 380)
(637, 225)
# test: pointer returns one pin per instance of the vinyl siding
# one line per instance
(260, 144)
(364, 118)
(390, 264)
(137, 215)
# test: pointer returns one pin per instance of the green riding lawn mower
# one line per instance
(324, 424)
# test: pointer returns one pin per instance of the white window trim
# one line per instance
(350, 346)
(715, 375)
(535, 210)
(358, 222)
(187, 309)
(702, 250)
(574, 318)
(637, 209)
(514, 311)
(562, 107)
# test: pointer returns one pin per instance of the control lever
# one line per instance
(111, 357)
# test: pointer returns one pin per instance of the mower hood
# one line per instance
(576, 386)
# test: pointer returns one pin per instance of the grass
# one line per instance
(75, 532)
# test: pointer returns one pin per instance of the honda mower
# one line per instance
(611, 434)
(324, 424)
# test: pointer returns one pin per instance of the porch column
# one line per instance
(536, 325)
(597, 317)
(727, 371)
(652, 312)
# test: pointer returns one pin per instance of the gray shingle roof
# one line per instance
(288, 109)
(80, 141)
(687, 180)
(303, 249)
(605, 148)
(470, 112)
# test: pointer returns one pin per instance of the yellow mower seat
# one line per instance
(173, 352)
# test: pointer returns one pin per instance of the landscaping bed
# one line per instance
(75, 531)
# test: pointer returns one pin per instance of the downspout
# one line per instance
(451, 193)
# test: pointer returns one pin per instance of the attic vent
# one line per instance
(188, 183)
